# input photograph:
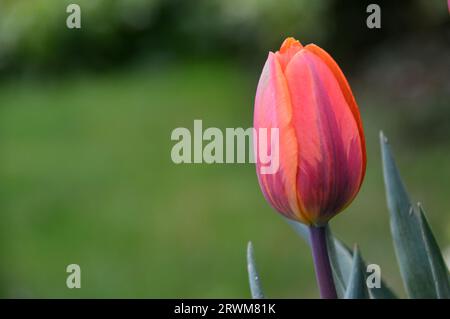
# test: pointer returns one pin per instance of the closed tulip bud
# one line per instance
(303, 93)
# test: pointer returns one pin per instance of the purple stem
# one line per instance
(322, 262)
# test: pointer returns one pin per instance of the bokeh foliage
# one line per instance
(33, 33)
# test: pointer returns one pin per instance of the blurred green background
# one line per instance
(85, 121)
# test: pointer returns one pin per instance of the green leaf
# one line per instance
(407, 231)
(383, 292)
(255, 284)
(439, 269)
(357, 288)
(341, 262)
(341, 259)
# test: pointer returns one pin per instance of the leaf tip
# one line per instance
(383, 138)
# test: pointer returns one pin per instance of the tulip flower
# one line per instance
(322, 157)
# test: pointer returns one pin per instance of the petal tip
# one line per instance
(288, 43)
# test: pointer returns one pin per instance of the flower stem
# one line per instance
(322, 262)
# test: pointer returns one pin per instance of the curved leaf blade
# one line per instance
(255, 284)
(439, 269)
(357, 288)
(406, 231)
(341, 262)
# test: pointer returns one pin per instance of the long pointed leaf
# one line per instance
(439, 269)
(406, 231)
(341, 262)
(255, 284)
(357, 288)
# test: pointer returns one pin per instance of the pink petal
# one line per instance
(273, 110)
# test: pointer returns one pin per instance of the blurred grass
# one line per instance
(86, 177)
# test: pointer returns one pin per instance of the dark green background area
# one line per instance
(86, 117)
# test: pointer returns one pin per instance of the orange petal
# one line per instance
(287, 50)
